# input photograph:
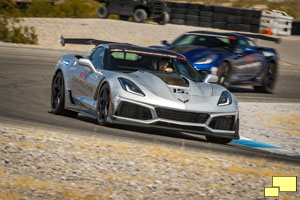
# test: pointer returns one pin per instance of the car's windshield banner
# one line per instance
(145, 53)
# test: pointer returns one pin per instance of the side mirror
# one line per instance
(249, 50)
(165, 42)
(87, 63)
(210, 78)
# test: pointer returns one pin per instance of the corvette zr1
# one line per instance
(123, 84)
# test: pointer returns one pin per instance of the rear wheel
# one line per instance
(140, 15)
(269, 80)
(58, 97)
(218, 140)
(102, 12)
(165, 18)
(224, 74)
(103, 104)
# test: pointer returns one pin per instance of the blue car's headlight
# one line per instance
(225, 99)
(129, 86)
(206, 60)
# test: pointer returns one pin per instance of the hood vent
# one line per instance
(172, 79)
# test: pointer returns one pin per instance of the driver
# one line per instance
(163, 65)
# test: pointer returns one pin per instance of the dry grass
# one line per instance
(62, 189)
(9, 195)
(184, 160)
(289, 123)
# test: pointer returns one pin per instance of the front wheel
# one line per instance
(164, 19)
(269, 80)
(103, 104)
(218, 140)
(140, 15)
(102, 12)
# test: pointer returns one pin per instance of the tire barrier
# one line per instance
(215, 16)
(296, 28)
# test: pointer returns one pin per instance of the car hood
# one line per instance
(168, 85)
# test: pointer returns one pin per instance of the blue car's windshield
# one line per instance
(222, 44)
(131, 61)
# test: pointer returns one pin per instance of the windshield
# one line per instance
(131, 61)
(222, 44)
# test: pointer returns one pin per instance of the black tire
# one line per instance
(254, 29)
(170, 4)
(246, 13)
(193, 12)
(178, 10)
(139, 15)
(192, 23)
(245, 27)
(234, 11)
(256, 13)
(178, 21)
(192, 17)
(246, 20)
(103, 102)
(205, 19)
(232, 19)
(190, 6)
(179, 5)
(206, 8)
(123, 17)
(255, 21)
(205, 24)
(234, 27)
(220, 25)
(269, 80)
(224, 75)
(221, 10)
(219, 17)
(164, 19)
(206, 13)
(178, 16)
(218, 140)
(102, 12)
(58, 97)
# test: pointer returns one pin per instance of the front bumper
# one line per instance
(147, 116)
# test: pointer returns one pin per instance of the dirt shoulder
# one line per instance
(41, 164)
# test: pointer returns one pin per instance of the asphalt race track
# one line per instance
(25, 80)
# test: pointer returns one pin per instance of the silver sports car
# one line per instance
(127, 84)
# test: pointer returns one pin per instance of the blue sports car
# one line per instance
(233, 57)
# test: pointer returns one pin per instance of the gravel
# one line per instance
(276, 124)
(41, 164)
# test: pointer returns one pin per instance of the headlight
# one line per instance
(268, 53)
(129, 86)
(206, 60)
(225, 99)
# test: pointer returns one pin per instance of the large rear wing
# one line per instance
(261, 37)
(87, 41)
